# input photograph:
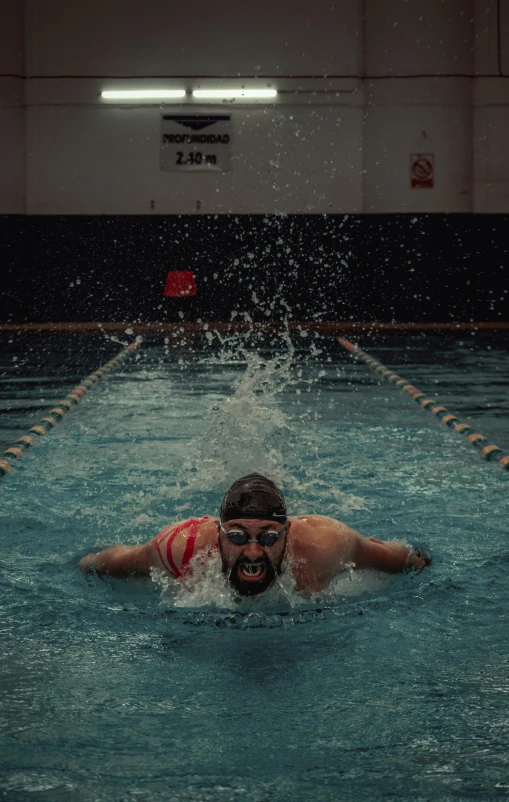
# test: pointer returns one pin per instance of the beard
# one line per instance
(251, 587)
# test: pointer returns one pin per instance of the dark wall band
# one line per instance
(393, 267)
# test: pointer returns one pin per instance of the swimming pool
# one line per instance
(381, 688)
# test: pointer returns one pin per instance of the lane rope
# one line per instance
(72, 399)
(488, 451)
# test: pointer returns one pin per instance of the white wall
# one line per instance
(340, 143)
(406, 38)
(302, 154)
(157, 37)
(399, 121)
(407, 112)
(12, 114)
(504, 37)
(107, 159)
(491, 130)
(491, 107)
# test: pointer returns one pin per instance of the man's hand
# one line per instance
(417, 559)
(86, 564)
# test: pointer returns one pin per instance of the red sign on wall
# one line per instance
(422, 170)
(179, 284)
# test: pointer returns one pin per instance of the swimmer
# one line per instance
(256, 541)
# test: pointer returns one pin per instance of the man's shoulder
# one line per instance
(319, 547)
(315, 522)
(320, 533)
(179, 541)
(187, 526)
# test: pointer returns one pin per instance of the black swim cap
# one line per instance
(254, 496)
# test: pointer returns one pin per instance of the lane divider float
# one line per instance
(487, 450)
(72, 399)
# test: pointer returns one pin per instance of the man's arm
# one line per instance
(370, 552)
(121, 561)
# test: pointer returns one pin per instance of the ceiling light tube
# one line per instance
(233, 94)
(143, 94)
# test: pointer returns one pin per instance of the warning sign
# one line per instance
(422, 170)
(196, 142)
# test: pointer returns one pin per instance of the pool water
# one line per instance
(393, 688)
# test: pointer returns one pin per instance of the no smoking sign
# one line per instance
(422, 170)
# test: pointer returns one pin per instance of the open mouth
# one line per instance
(252, 570)
(251, 577)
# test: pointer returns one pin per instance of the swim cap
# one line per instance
(254, 496)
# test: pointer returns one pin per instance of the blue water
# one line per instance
(393, 688)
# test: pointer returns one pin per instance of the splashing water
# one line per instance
(248, 432)
(209, 590)
(251, 432)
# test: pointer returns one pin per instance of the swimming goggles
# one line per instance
(241, 538)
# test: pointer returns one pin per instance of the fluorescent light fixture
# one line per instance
(233, 94)
(143, 94)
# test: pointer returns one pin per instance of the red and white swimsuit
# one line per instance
(164, 542)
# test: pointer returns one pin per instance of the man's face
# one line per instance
(251, 568)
